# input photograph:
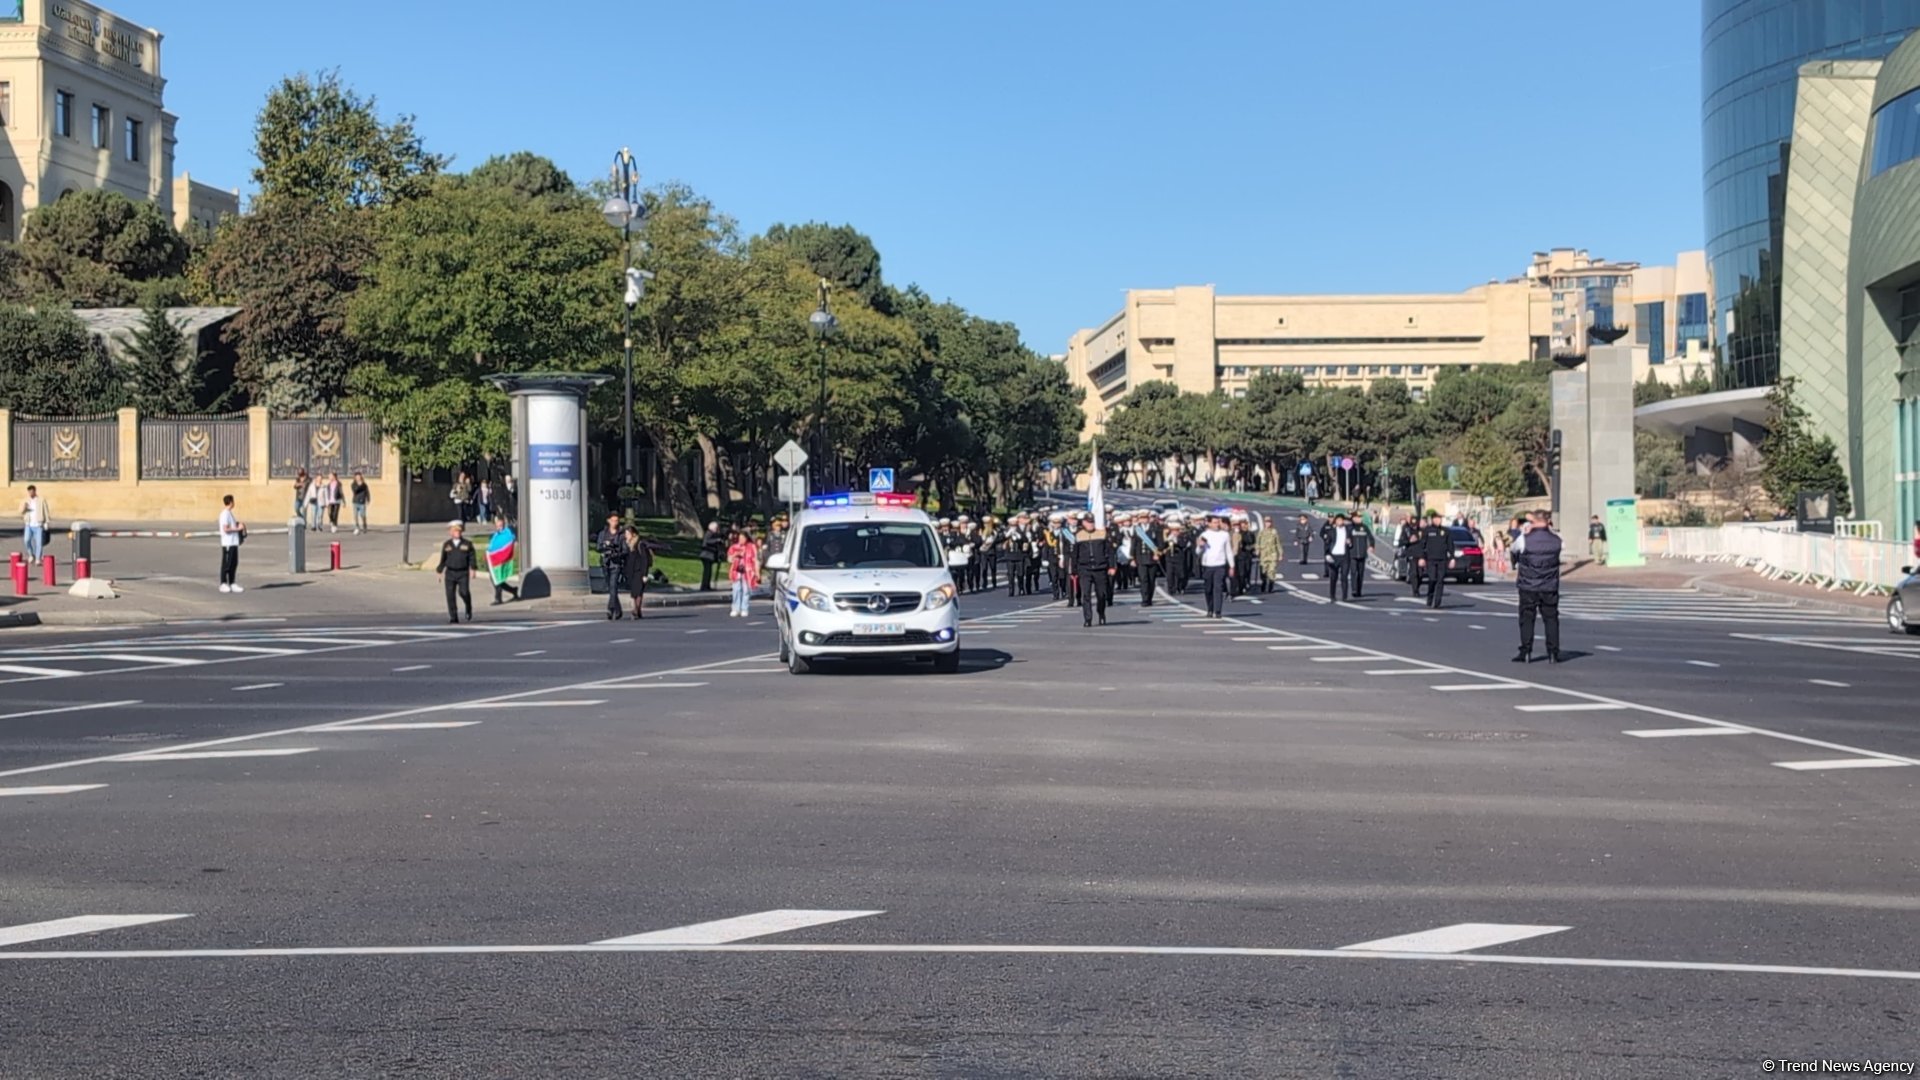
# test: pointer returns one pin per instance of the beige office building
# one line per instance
(1202, 342)
(81, 106)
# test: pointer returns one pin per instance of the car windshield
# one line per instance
(1464, 537)
(868, 545)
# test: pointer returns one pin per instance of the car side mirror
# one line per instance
(777, 561)
(1906, 569)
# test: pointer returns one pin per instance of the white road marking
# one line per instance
(1816, 682)
(258, 686)
(1299, 648)
(1681, 732)
(60, 789)
(1267, 637)
(696, 631)
(78, 924)
(629, 641)
(1608, 648)
(1475, 626)
(1457, 938)
(1346, 659)
(69, 708)
(644, 685)
(45, 672)
(532, 652)
(200, 755)
(1842, 763)
(1454, 688)
(1703, 663)
(573, 703)
(877, 949)
(739, 928)
(1402, 671)
(414, 667)
(1573, 706)
(748, 671)
(414, 725)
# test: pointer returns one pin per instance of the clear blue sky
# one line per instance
(1030, 159)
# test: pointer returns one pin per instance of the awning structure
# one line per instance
(1716, 412)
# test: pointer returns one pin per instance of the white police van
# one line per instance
(864, 575)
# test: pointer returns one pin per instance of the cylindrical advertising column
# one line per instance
(549, 454)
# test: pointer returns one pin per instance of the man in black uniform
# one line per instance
(612, 545)
(1013, 548)
(1436, 547)
(1149, 555)
(1536, 567)
(1093, 562)
(457, 562)
(1407, 553)
(1359, 547)
(1303, 537)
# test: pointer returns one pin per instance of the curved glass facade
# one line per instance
(1751, 52)
(1896, 132)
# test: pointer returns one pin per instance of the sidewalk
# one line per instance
(167, 579)
(1727, 578)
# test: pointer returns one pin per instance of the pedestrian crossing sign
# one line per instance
(879, 480)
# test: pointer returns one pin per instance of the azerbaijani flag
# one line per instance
(500, 555)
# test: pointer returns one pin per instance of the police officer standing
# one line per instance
(1303, 536)
(1359, 547)
(457, 561)
(612, 545)
(1407, 553)
(1536, 566)
(1436, 548)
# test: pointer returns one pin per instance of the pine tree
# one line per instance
(1794, 460)
(166, 374)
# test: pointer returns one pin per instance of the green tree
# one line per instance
(291, 267)
(100, 249)
(842, 254)
(51, 366)
(1430, 474)
(530, 176)
(1491, 467)
(1657, 462)
(319, 141)
(166, 375)
(1794, 459)
(443, 424)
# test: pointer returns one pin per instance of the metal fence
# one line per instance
(323, 444)
(195, 448)
(1834, 562)
(66, 448)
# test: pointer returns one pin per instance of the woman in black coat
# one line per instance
(637, 566)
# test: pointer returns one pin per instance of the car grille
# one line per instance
(911, 637)
(897, 602)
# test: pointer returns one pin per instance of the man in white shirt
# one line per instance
(34, 519)
(1216, 564)
(232, 534)
(1339, 542)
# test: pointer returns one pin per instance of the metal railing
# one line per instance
(1835, 562)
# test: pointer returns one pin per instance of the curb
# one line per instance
(126, 617)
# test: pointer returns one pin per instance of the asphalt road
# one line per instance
(1143, 850)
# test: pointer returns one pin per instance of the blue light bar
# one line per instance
(819, 502)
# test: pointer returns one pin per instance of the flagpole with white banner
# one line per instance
(1096, 491)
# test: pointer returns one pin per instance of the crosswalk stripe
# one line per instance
(739, 928)
(24, 669)
(1456, 688)
(1841, 763)
(1572, 706)
(1460, 937)
(78, 924)
(1682, 732)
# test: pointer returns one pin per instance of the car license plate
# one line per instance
(880, 629)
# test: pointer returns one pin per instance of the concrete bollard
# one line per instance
(333, 553)
(297, 545)
(49, 571)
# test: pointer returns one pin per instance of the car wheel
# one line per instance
(947, 663)
(797, 664)
(786, 650)
(1479, 579)
(1897, 616)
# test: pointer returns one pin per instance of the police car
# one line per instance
(863, 575)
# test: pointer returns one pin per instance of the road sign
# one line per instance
(1346, 463)
(1046, 466)
(1306, 468)
(879, 480)
(790, 457)
(793, 489)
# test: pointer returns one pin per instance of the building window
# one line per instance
(1896, 132)
(1419, 369)
(63, 114)
(1353, 369)
(102, 127)
(1909, 314)
(1331, 369)
(133, 139)
(1395, 369)
(1693, 320)
(1650, 329)
(1240, 372)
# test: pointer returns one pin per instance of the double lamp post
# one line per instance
(624, 211)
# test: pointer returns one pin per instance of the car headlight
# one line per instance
(939, 598)
(815, 599)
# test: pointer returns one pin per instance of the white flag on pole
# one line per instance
(1096, 492)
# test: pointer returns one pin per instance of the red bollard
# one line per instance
(333, 549)
(49, 571)
(19, 577)
(82, 569)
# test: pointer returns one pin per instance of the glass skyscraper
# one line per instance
(1751, 52)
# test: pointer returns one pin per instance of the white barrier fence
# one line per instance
(1852, 563)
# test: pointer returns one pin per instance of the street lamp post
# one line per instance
(623, 210)
(822, 324)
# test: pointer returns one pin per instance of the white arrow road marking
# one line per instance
(1459, 937)
(60, 789)
(198, 755)
(1842, 763)
(79, 924)
(740, 928)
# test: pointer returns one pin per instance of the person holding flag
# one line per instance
(501, 556)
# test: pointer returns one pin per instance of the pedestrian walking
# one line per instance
(743, 572)
(1359, 549)
(457, 561)
(315, 492)
(34, 520)
(1436, 549)
(1337, 542)
(362, 495)
(713, 549)
(301, 482)
(1149, 556)
(1303, 536)
(638, 568)
(611, 543)
(1268, 555)
(508, 500)
(331, 496)
(1406, 553)
(1093, 562)
(1597, 539)
(1536, 564)
(461, 494)
(483, 501)
(1015, 550)
(1916, 538)
(233, 533)
(1216, 563)
(502, 554)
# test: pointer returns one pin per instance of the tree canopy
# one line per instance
(100, 249)
(319, 141)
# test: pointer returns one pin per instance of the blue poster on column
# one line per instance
(553, 461)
